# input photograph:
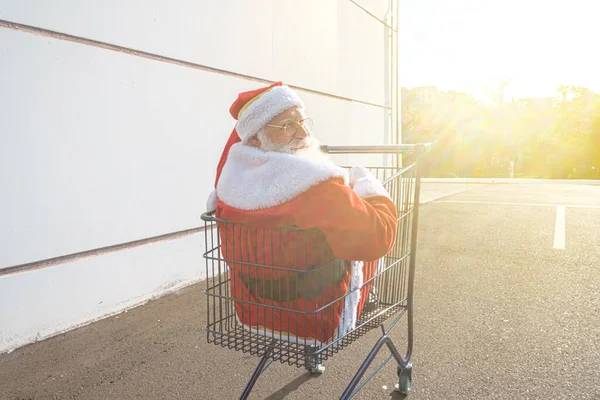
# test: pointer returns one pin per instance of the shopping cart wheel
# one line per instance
(317, 369)
(404, 380)
(312, 361)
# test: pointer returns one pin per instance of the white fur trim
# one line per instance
(369, 186)
(253, 179)
(211, 203)
(350, 313)
(264, 109)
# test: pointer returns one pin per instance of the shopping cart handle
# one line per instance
(378, 149)
(208, 216)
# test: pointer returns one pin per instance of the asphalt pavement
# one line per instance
(507, 306)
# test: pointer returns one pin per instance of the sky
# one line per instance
(467, 44)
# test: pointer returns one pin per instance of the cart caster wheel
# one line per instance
(318, 369)
(404, 380)
(312, 360)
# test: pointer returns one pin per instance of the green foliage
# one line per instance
(545, 138)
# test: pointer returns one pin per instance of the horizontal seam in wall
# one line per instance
(51, 262)
(143, 54)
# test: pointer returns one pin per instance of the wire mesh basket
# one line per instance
(297, 282)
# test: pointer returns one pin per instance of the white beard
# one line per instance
(311, 148)
(314, 152)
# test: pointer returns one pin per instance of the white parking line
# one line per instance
(559, 228)
(560, 223)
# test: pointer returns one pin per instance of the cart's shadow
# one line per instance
(299, 381)
(291, 387)
(395, 395)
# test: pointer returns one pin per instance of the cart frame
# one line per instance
(395, 275)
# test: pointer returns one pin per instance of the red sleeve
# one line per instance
(355, 229)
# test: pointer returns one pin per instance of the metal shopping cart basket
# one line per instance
(387, 292)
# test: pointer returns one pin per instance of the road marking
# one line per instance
(559, 228)
(500, 203)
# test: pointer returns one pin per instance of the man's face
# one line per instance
(276, 138)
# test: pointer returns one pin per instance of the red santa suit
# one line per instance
(266, 191)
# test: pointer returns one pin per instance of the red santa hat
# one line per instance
(253, 110)
(256, 108)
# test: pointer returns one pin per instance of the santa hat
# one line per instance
(253, 110)
(256, 108)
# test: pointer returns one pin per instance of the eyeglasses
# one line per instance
(291, 128)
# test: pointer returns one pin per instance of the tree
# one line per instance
(548, 138)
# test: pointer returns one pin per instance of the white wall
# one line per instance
(99, 147)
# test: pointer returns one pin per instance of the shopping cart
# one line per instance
(386, 292)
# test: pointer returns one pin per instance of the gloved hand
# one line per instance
(357, 173)
(364, 183)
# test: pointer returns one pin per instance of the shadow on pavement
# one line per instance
(291, 387)
(395, 395)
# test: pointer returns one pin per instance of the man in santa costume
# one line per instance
(272, 176)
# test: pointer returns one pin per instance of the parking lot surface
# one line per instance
(507, 306)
